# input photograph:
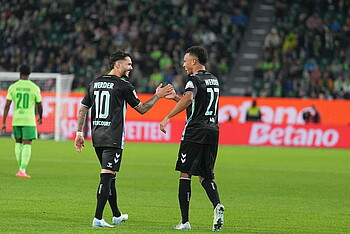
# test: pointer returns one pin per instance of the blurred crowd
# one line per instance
(76, 37)
(307, 52)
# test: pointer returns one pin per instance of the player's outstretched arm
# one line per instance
(6, 111)
(160, 93)
(180, 106)
(79, 139)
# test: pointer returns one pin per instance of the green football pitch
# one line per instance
(264, 190)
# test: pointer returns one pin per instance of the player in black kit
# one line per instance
(107, 96)
(199, 142)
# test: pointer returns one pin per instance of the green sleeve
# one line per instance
(38, 95)
(9, 93)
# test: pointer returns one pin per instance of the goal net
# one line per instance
(55, 88)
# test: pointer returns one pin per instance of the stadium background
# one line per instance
(299, 57)
(304, 51)
(301, 47)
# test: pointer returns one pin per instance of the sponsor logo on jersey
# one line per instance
(189, 85)
(23, 89)
(101, 123)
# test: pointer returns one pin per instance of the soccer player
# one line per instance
(107, 96)
(25, 94)
(199, 142)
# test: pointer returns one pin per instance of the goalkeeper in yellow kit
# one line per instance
(25, 94)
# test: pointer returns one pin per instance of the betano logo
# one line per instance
(292, 136)
(274, 115)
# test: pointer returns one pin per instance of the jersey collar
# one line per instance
(200, 71)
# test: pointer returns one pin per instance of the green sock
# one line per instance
(26, 152)
(18, 152)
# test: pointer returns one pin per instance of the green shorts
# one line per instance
(25, 132)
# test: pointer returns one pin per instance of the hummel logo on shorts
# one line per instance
(183, 157)
(117, 156)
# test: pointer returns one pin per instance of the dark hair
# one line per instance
(200, 52)
(116, 56)
(24, 70)
(254, 102)
(306, 115)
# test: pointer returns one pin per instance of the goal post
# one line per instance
(54, 85)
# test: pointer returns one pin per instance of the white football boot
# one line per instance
(218, 217)
(183, 226)
(120, 219)
(100, 223)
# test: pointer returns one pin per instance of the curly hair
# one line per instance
(116, 56)
(200, 52)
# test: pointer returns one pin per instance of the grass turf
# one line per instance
(264, 190)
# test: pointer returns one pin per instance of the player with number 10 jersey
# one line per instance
(108, 96)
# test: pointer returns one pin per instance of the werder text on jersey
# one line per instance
(103, 85)
(211, 82)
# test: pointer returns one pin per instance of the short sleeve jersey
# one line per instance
(202, 114)
(25, 94)
(107, 96)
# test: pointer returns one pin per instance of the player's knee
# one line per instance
(185, 175)
(107, 171)
(204, 181)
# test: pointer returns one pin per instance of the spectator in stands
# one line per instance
(277, 88)
(289, 43)
(310, 64)
(272, 41)
(239, 18)
(249, 92)
(315, 74)
(314, 22)
(165, 61)
(69, 36)
(169, 75)
(346, 26)
(316, 47)
(155, 78)
(266, 90)
(320, 42)
(335, 26)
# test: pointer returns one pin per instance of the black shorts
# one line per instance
(110, 158)
(197, 159)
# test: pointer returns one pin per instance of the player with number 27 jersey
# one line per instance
(199, 143)
(108, 96)
(202, 117)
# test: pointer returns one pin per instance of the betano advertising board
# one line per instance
(282, 123)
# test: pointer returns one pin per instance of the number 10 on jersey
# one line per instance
(102, 99)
